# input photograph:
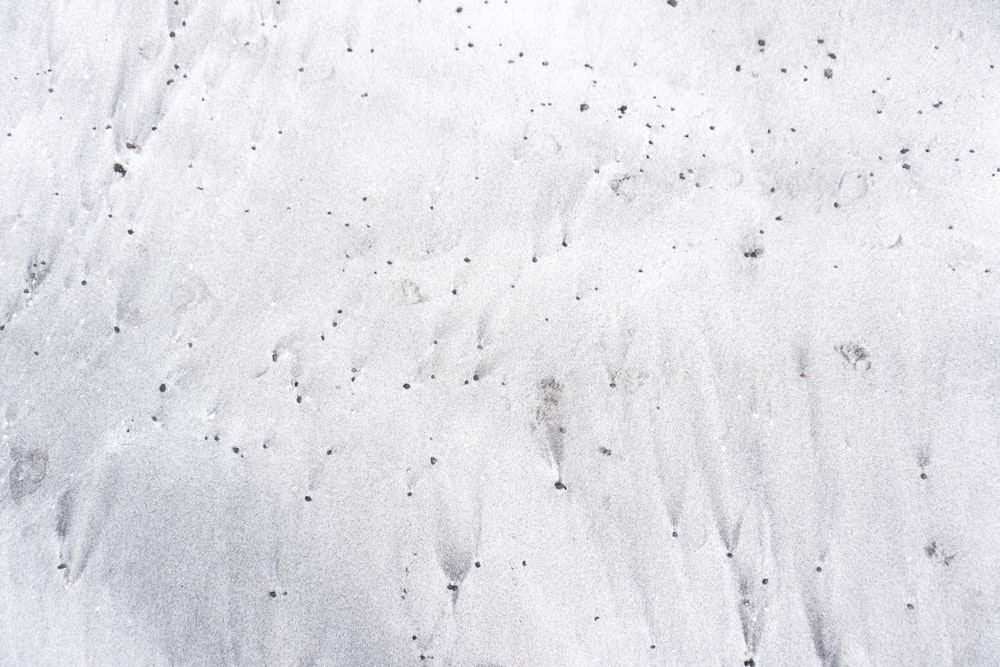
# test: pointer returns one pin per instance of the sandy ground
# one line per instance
(520, 332)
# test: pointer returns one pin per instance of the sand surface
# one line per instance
(520, 332)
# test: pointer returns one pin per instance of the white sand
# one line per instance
(723, 303)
